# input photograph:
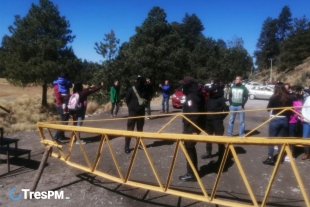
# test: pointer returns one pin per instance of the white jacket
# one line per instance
(306, 111)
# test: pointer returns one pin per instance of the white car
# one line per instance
(258, 92)
(252, 84)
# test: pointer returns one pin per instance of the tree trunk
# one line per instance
(44, 94)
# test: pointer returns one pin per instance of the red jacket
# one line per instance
(57, 96)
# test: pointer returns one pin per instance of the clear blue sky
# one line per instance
(222, 19)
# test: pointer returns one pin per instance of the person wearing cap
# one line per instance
(238, 96)
(214, 122)
(135, 110)
(194, 102)
(149, 91)
(165, 89)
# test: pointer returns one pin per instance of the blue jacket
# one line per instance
(165, 91)
(63, 85)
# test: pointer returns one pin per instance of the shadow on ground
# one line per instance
(130, 192)
(25, 166)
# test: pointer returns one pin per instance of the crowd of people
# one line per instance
(198, 99)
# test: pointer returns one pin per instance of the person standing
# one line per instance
(214, 123)
(79, 115)
(238, 96)
(135, 110)
(278, 126)
(64, 117)
(295, 126)
(114, 98)
(165, 89)
(194, 103)
(149, 91)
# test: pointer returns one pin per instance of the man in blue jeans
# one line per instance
(238, 96)
(165, 89)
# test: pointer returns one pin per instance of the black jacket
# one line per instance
(217, 103)
(194, 103)
(274, 102)
(149, 91)
(131, 98)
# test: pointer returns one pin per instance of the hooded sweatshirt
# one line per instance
(306, 111)
(194, 103)
(63, 85)
(131, 98)
(217, 103)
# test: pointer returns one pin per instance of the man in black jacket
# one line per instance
(194, 103)
(134, 109)
(214, 122)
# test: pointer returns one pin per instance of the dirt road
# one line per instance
(84, 189)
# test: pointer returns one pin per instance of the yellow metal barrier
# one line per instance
(164, 186)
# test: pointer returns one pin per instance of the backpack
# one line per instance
(74, 103)
(142, 101)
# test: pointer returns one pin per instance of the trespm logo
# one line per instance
(37, 195)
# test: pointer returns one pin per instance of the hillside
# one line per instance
(300, 75)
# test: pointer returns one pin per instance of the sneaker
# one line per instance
(206, 155)
(127, 151)
(82, 142)
(58, 141)
(287, 159)
(276, 147)
(148, 118)
(187, 177)
(269, 161)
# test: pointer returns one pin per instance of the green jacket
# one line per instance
(114, 95)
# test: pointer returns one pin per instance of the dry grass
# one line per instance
(91, 107)
(25, 107)
(25, 112)
(297, 76)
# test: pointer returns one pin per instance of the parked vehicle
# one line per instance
(178, 98)
(260, 92)
(252, 84)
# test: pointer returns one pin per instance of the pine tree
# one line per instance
(109, 48)
(37, 51)
(268, 43)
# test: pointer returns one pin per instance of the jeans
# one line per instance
(148, 107)
(292, 128)
(63, 117)
(113, 106)
(306, 133)
(165, 100)
(232, 120)
(278, 127)
(79, 116)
